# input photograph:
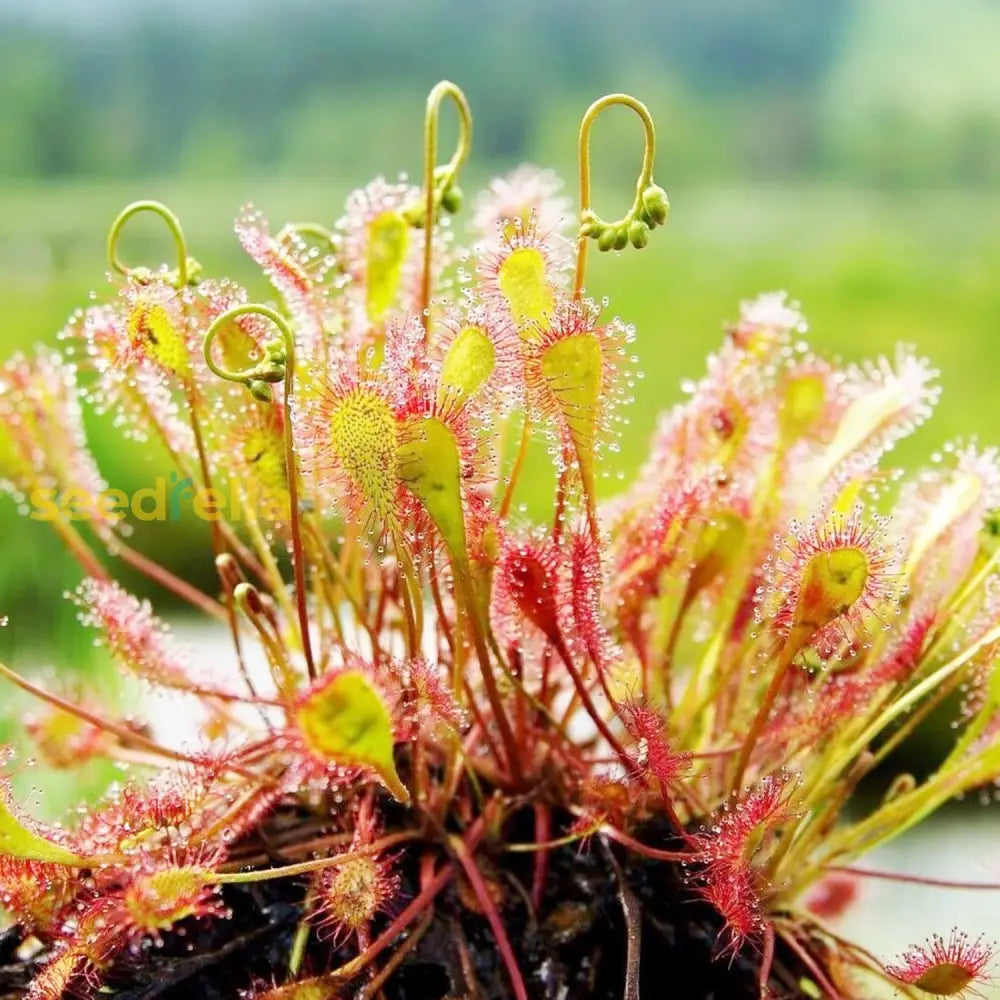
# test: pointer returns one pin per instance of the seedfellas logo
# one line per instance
(166, 499)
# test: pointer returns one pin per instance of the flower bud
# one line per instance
(194, 270)
(271, 373)
(451, 198)
(248, 597)
(590, 225)
(260, 390)
(638, 233)
(275, 351)
(606, 240)
(655, 202)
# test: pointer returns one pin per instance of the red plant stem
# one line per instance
(559, 516)
(463, 585)
(80, 550)
(229, 696)
(442, 618)
(766, 961)
(516, 667)
(410, 595)
(218, 542)
(246, 557)
(941, 883)
(489, 909)
(588, 704)
(128, 736)
(373, 987)
(807, 960)
(316, 864)
(169, 581)
(644, 849)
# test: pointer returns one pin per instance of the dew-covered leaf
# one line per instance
(364, 436)
(388, 244)
(467, 365)
(526, 288)
(573, 372)
(17, 841)
(429, 465)
(346, 721)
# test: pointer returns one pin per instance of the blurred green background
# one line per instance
(846, 150)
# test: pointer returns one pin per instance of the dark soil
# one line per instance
(575, 948)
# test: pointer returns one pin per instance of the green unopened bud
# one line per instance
(275, 351)
(414, 214)
(590, 225)
(260, 390)
(656, 203)
(606, 239)
(193, 271)
(451, 198)
(638, 233)
(144, 276)
(621, 236)
(272, 373)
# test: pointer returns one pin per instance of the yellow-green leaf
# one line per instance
(430, 466)
(573, 372)
(17, 841)
(364, 435)
(467, 365)
(527, 290)
(388, 244)
(151, 329)
(346, 721)
(805, 397)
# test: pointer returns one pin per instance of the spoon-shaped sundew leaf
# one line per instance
(469, 362)
(346, 721)
(364, 435)
(430, 466)
(17, 841)
(524, 284)
(388, 245)
(572, 371)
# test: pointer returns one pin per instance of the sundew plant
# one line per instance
(454, 753)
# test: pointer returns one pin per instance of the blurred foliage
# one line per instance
(897, 92)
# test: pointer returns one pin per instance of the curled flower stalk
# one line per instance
(452, 750)
(279, 364)
(440, 188)
(649, 208)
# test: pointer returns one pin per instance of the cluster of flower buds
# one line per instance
(650, 210)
